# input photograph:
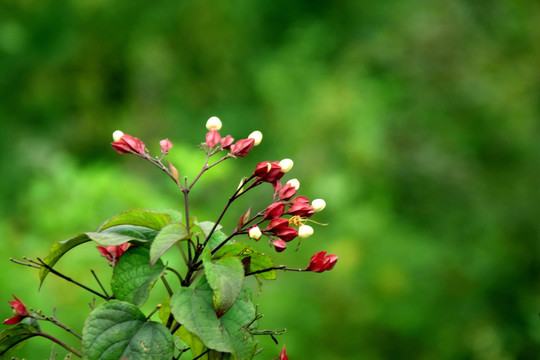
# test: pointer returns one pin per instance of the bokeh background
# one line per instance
(417, 121)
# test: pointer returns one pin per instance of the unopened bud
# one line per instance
(318, 204)
(286, 165)
(255, 233)
(117, 135)
(213, 123)
(256, 136)
(305, 231)
(294, 183)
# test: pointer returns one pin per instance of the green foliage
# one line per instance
(119, 330)
(168, 236)
(14, 338)
(133, 277)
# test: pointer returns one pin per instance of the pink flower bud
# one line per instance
(287, 192)
(255, 233)
(294, 183)
(213, 124)
(274, 211)
(242, 147)
(212, 138)
(268, 171)
(301, 209)
(117, 135)
(165, 146)
(113, 253)
(226, 142)
(321, 262)
(283, 355)
(279, 245)
(128, 144)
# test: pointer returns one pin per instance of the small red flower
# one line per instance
(283, 355)
(321, 262)
(242, 147)
(212, 138)
(128, 144)
(113, 253)
(268, 171)
(165, 146)
(20, 312)
(274, 211)
(286, 233)
(276, 224)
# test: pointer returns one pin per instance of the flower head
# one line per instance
(283, 355)
(242, 147)
(256, 136)
(113, 253)
(318, 205)
(20, 312)
(287, 192)
(274, 211)
(279, 245)
(268, 171)
(286, 165)
(212, 138)
(305, 231)
(226, 142)
(127, 144)
(165, 146)
(321, 262)
(255, 233)
(213, 124)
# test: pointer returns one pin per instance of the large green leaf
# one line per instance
(136, 232)
(119, 330)
(140, 217)
(217, 238)
(14, 338)
(226, 277)
(194, 309)
(256, 260)
(111, 238)
(133, 277)
(167, 237)
(195, 344)
(58, 250)
(206, 226)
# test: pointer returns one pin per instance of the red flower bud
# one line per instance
(113, 253)
(283, 355)
(286, 233)
(274, 211)
(128, 144)
(165, 145)
(268, 171)
(212, 138)
(321, 262)
(20, 312)
(301, 209)
(279, 245)
(277, 223)
(226, 142)
(287, 192)
(242, 147)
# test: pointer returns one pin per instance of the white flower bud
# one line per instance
(257, 136)
(213, 124)
(318, 204)
(255, 233)
(294, 183)
(286, 165)
(117, 135)
(304, 231)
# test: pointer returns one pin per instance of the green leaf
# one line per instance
(257, 260)
(119, 330)
(133, 277)
(167, 237)
(14, 338)
(226, 277)
(140, 217)
(217, 238)
(206, 227)
(111, 238)
(194, 309)
(58, 250)
(136, 232)
(195, 344)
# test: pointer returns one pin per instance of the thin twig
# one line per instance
(99, 283)
(55, 322)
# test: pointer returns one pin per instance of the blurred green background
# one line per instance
(417, 121)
